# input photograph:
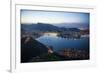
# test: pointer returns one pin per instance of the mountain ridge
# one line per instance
(45, 27)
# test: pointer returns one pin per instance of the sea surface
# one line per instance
(59, 43)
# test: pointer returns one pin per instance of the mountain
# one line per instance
(43, 27)
(39, 27)
(31, 48)
(70, 29)
(73, 25)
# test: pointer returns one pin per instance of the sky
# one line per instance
(51, 17)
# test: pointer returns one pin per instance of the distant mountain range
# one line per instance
(73, 25)
(46, 27)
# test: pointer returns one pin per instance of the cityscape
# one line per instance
(54, 36)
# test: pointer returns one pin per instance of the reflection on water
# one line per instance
(51, 34)
(60, 43)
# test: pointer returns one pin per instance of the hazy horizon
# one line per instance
(55, 18)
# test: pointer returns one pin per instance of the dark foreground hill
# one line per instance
(31, 48)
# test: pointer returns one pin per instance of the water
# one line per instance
(60, 43)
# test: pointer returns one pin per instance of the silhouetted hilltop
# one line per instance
(43, 27)
(39, 27)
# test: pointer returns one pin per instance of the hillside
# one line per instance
(39, 27)
(31, 48)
